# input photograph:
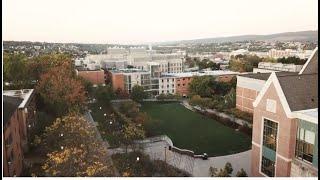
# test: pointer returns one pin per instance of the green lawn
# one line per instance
(193, 131)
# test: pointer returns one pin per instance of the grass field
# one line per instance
(193, 131)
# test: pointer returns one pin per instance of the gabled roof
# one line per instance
(311, 66)
(265, 76)
(301, 91)
(296, 92)
(10, 105)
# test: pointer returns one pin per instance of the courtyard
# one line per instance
(193, 131)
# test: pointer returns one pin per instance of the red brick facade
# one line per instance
(245, 98)
(182, 85)
(285, 137)
(118, 81)
(95, 77)
(12, 149)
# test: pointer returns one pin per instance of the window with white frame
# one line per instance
(271, 105)
(305, 145)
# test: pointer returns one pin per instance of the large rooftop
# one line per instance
(301, 91)
(265, 76)
(10, 105)
(24, 94)
(201, 73)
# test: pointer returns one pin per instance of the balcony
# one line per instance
(301, 168)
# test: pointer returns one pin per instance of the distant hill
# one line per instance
(301, 36)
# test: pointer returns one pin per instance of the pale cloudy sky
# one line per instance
(135, 21)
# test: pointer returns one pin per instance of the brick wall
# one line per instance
(95, 77)
(182, 85)
(118, 81)
(285, 138)
(245, 98)
(12, 151)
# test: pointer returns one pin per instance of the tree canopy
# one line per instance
(61, 90)
(138, 93)
(74, 149)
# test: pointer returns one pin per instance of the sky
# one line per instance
(144, 21)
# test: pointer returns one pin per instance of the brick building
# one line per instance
(248, 88)
(96, 77)
(285, 124)
(19, 120)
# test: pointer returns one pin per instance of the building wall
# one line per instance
(117, 81)
(12, 150)
(246, 92)
(285, 138)
(167, 85)
(182, 85)
(95, 77)
(27, 122)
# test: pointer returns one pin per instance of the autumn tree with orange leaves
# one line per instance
(61, 90)
(74, 149)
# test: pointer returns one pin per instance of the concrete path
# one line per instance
(195, 166)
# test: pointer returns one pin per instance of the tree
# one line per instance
(121, 94)
(241, 173)
(129, 108)
(15, 71)
(141, 118)
(213, 171)
(292, 60)
(202, 86)
(131, 133)
(61, 91)
(228, 168)
(104, 94)
(225, 172)
(138, 93)
(222, 173)
(230, 99)
(73, 149)
(41, 64)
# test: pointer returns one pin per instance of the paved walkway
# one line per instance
(195, 166)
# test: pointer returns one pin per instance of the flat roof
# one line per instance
(24, 94)
(202, 73)
(129, 70)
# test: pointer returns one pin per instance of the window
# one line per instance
(167, 80)
(305, 144)
(271, 105)
(270, 129)
(267, 167)
(183, 84)
(183, 79)
(178, 85)
(168, 86)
